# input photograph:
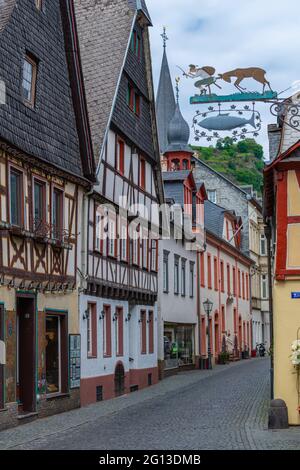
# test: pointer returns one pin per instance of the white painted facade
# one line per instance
(132, 357)
(176, 308)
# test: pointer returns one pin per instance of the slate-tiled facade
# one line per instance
(49, 130)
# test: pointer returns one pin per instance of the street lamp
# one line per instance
(208, 305)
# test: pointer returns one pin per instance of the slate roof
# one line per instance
(103, 29)
(175, 175)
(47, 132)
(178, 133)
(214, 218)
(6, 8)
(165, 103)
(140, 5)
(173, 185)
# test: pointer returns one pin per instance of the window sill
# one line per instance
(55, 396)
(107, 356)
(92, 357)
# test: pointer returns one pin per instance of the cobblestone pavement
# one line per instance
(221, 409)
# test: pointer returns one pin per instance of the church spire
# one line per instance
(165, 101)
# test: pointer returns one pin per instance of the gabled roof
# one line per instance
(269, 177)
(104, 30)
(173, 184)
(165, 103)
(48, 132)
(214, 218)
(140, 5)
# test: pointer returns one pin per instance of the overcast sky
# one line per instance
(227, 34)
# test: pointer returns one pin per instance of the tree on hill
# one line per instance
(240, 162)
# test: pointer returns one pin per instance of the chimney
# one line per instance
(274, 135)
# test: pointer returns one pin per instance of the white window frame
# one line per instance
(263, 241)
(176, 275)
(183, 278)
(264, 286)
(191, 279)
(111, 248)
(211, 192)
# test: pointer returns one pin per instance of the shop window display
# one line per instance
(178, 346)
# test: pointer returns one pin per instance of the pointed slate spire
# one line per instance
(165, 101)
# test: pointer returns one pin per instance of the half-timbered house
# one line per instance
(118, 309)
(282, 215)
(46, 165)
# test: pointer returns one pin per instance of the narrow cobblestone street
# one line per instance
(222, 409)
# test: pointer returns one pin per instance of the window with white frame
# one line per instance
(98, 232)
(191, 279)
(111, 237)
(183, 280)
(263, 245)
(176, 274)
(166, 272)
(153, 255)
(264, 286)
(212, 195)
(145, 253)
(135, 248)
(124, 242)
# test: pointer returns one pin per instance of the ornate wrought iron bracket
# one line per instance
(287, 111)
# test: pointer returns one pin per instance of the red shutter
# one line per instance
(203, 337)
(144, 333)
(228, 280)
(222, 276)
(94, 329)
(209, 285)
(142, 173)
(234, 280)
(120, 332)
(151, 333)
(216, 280)
(223, 318)
(202, 270)
(107, 352)
(243, 285)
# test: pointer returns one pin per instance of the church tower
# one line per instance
(165, 101)
(173, 130)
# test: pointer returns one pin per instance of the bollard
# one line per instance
(278, 415)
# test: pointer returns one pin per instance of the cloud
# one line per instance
(228, 34)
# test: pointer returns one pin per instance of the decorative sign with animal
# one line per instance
(209, 78)
(241, 121)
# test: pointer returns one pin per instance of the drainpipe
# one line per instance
(199, 306)
(268, 233)
(84, 242)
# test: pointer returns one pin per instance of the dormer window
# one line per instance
(136, 44)
(29, 80)
(133, 99)
(212, 195)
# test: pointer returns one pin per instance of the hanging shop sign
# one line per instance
(241, 121)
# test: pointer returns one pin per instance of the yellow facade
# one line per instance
(286, 323)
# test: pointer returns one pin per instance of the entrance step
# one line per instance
(25, 418)
(233, 358)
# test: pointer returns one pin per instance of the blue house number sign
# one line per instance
(295, 295)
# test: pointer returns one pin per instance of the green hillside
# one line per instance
(240, 162)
